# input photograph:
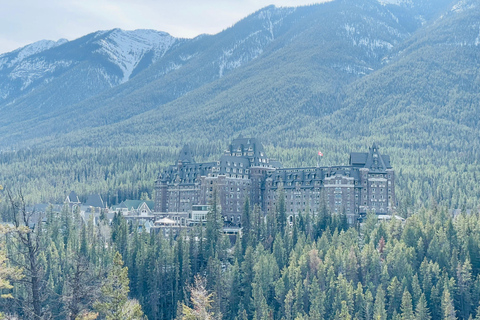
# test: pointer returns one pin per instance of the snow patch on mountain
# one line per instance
(249, 48)
(3, 62)
(266, 16)
(9, 59)
(127, 48)
(172, 66)
(186, 57)
(32, 69)
(104, 74)
(235, 56)
(462, 6)
(406, 3)
(358, 39)
(357, 70)
(4, 92)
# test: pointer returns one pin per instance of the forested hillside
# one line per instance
(333, 77)
(426, 267)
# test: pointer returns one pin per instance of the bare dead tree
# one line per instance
(82, 287)
(28, 247)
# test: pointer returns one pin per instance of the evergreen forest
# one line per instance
(332, 77)
(426, 267)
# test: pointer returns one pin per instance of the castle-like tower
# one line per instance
(244, 170)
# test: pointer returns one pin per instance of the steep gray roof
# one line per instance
(187, 173)
(375, 160)
(247, 147)
(372, 160)
(94, 200)
(72, 197)
(186, 155)
(358, 159)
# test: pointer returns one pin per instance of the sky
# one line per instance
(25, 21)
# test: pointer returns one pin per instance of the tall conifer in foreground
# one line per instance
(114, 303)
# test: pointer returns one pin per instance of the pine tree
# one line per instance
(234, 296)
(279, 251)
(317, 297)
(416, 289)
(258, 231)
(394, 295)
(379, 312)
(344, 314)
(83, 241)
(261, 309)
(214, 227)
(448, 310)
(81, 286)
(368, 308)
(246, 224)
(214, 282)
(477, 317)
(406, 306)
(464, 288)
(421, 311)
(247, 277)
(289, 300)
(114, 303)
(281, 212)
(201, 303)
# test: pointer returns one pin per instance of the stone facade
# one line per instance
(244, 170)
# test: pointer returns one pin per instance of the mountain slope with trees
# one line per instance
(335, 76)
(341, 40)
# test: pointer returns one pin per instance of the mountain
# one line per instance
(107, 77)
(338, 75)
(44, 78)
(114, 55)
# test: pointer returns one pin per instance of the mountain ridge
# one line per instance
(184, 67)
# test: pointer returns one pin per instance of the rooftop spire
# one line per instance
(186, 155)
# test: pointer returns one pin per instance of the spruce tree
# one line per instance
(344, 313)
(281, 212)
(421, 310)
(464, 288)
(477, 317)
(247, 277)
(246, 224)
(406, 306)
(448, 310)
(201, 301)
(214, 227)
(379, 312)
(233, 307)
(114, 303)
